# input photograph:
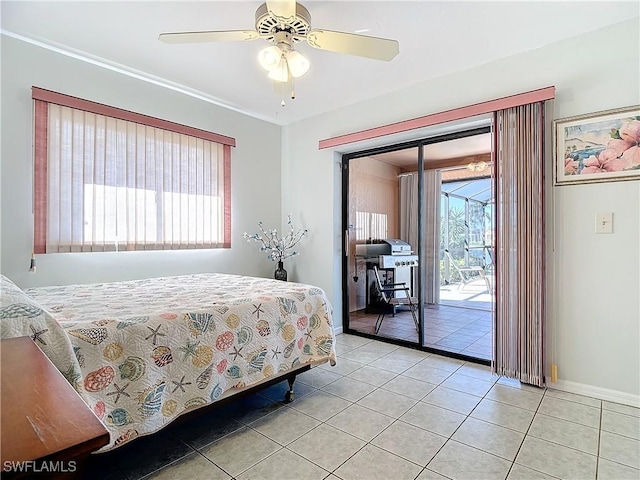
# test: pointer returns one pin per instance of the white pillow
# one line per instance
(22, 316)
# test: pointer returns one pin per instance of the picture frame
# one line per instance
(597, 147)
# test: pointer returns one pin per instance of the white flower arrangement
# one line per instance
(277, 248)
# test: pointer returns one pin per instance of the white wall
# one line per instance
(255, 171)
(593, 329)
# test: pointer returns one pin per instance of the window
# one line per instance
(371, 226)
(107, 180)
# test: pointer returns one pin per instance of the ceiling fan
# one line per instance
(284, 23)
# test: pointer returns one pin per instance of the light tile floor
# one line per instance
(449, 328)
(392, 413)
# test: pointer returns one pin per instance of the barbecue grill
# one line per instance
(394, 257)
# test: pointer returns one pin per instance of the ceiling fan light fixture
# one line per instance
(298, 64)
(281, 72)
(478, 166)
(270, 58)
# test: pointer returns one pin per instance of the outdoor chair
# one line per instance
(468, 273)
(388, 294)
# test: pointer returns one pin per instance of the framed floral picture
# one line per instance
(598, 147)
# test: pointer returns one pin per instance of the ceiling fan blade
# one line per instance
(209, 36)
(283, 9)
(352, 44)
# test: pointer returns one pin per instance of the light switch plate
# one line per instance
(604, 222)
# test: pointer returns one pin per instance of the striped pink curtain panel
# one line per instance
(520, 269)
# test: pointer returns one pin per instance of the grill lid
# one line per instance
(387, 246)
(397, 245)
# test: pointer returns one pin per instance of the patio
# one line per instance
(474, 295)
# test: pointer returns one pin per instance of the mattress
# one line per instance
(140, 353)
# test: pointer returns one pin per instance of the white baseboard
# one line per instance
(597, 392)
(337, 329)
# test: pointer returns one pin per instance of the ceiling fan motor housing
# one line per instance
(268, 25)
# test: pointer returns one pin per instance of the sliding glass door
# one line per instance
(407, 236)
(461, 321)
(381, 235)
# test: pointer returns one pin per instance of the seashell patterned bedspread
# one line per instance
(142, 352)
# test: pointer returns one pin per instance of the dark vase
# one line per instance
(281, 273)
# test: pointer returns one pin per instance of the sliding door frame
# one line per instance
(346, 158)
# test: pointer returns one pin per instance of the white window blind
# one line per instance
(114, 184)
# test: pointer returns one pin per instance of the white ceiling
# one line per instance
(436, 38)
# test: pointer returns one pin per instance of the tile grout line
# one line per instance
(282, 447)
(324, 422)
(461, 423)
(332, 472)
(527, 433)
(366, 443)
(395, 420)
(171, 433)
(599, 441)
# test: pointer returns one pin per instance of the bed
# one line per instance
(141, 353)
